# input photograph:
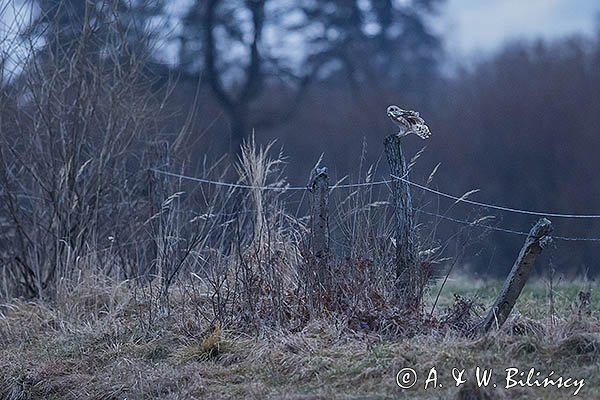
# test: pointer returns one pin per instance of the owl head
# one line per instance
(395, 111)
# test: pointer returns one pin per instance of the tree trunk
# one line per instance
(239, 130)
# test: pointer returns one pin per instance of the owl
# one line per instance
(409, 120)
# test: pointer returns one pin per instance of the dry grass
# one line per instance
(95, 346)
(145, 287)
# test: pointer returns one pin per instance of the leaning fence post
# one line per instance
(408, 274)
(319, 232)
(516, 279)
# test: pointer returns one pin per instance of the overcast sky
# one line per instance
(470, 26)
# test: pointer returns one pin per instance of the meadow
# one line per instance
(92, 344)
(157, 243)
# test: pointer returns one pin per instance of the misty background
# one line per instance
(509, 89)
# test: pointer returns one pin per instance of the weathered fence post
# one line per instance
(516, 279)
(319, 232)
(408, 274)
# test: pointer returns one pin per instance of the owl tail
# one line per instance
(421, 131)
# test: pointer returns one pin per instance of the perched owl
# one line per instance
(410, 120)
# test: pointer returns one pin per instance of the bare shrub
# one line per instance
(70, 151)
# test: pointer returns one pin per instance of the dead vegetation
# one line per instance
(84, 349)
(119, 281)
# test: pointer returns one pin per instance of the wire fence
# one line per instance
(462, 199)
(496, 207)
(279, 188)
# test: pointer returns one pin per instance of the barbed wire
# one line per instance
(422, 187)
(474, 223)
(282, 188)
(494, 206)
(505, 230)
(355, 185)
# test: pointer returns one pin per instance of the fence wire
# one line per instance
(422, 187)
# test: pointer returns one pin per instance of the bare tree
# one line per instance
(240, 63)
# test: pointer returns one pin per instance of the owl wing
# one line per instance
(414, 119)
(421, 130)
(401, 121)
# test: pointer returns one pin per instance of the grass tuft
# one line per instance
(211, 348)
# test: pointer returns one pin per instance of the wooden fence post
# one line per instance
(319, 232)
(408, 274)
(516, 279)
